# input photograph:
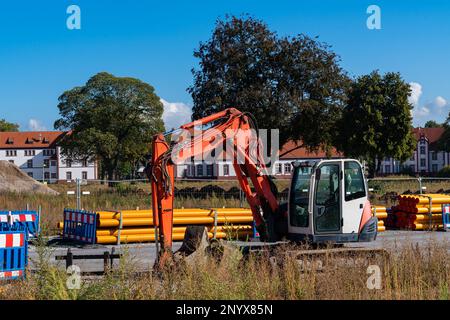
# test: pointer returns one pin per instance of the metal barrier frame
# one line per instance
(446, 216)
(80, 225)
(13, 253)
(27, 219)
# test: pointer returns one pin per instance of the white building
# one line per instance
(39, 156)
(282, 168)
(426, 158)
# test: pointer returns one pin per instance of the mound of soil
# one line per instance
(12, 179)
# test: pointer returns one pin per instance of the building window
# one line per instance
(29, 153)
(53, 163)
(84, 163)
(46, 175)
(46, 163)
(30, 174)
(422, 150)
(49, 152)
(413, 157)
(191, 170)
(387, 169)
(423, 162)
(226, 169)
(30, 163)
(69, 163)
(53, 175)
(412, 168)
(11, 161)
(84, 175)
(279, 168)
(68, 175)
(200, 170)
(434, 167)
(287, 168)
(209, 170)
(433, 155)
(11, 153)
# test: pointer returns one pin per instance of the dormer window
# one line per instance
(45, 140)
(29, 141)
(10, 141)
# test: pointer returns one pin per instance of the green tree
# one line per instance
(292, 84)
(6, 126)
(432, 124)
(443, 143)
(111, 119)
(377, 121)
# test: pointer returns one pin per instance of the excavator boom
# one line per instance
(328, 201)
(230, 127)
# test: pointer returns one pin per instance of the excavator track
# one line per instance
(319, 258)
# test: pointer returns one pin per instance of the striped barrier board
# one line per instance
(13, 254)
(80, 225)
(25, 218)
(446, 216)
(255, 232)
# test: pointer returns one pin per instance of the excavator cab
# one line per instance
(328, 202)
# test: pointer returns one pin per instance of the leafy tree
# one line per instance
(376, 123)
(443, 143)
(444, 172)
(432, 124)
(293, 84)
(111, 119)
(6, 126)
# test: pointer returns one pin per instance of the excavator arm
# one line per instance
(232, 127)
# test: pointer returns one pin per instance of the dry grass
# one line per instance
(53, 206)
(409, 274)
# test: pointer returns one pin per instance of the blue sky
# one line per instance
(154, 41)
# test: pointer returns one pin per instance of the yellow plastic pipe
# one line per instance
(440, 200)
(426, 210)
(425, 216)
(381, 215)
(151, 237)
(424, 226)
(130, 214)
(136, 231)
(107, 223)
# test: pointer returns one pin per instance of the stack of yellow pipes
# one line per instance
(414, 211)
(381, 213)
(137, 225)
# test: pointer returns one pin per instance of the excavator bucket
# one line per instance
(195, 240)
(197, 247)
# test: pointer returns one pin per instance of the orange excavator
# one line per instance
(328, 199)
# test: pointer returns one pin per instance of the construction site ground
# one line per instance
(142, 256)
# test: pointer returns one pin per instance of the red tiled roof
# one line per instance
(432, 134)
(28, 140)
(302, 153)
